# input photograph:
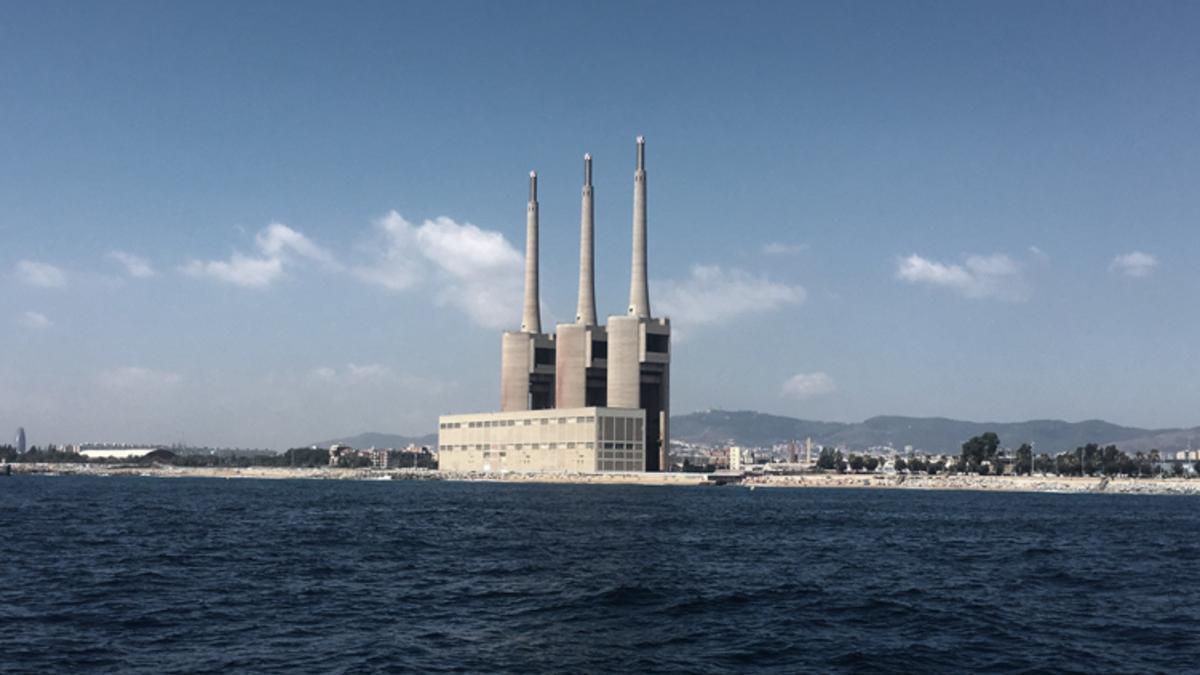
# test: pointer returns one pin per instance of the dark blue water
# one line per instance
(202, 575)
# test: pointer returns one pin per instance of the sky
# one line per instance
(268, 224)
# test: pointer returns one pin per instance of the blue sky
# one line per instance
(267, 224)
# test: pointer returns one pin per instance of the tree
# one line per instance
(829, 458)
(980, 449)
(305, 457)
(1044, 464)
(871, 463)
(1024, 460)
(856, 463)
(901, 465)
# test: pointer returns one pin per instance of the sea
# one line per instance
(183, 575)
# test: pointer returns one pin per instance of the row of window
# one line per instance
(488, 424)
(618, 465)
(521, 446)
(605, 454)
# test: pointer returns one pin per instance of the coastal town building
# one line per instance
(115, 452)
(736, 458)
(619, 371)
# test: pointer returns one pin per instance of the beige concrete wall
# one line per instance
(582, 440)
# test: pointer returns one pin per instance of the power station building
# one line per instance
(586, 397)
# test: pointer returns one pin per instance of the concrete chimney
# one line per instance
(639, 288)
(585, 312)
(531, 319)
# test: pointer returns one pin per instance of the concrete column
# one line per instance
(624, 367)
(585, 311)
(531, 319)
(516, 354)
(570, 366)
(639, 288)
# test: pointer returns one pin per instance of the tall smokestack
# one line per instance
(531, 320)
(585, 312)
(639, 289)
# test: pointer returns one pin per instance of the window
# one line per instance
(657, 343)
(599, 349)
(562, 420)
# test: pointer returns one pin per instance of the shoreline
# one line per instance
(1036, 484)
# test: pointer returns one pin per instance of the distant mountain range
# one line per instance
(931, 434)
(373, 439)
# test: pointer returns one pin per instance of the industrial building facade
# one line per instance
(575, 440)
(622, 368)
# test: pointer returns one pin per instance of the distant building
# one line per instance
(20, 441)
(737, 458)
(337, 451)
(381, 458)
(116, 452)
(560, 389)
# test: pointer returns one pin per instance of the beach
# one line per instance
(1052, 484)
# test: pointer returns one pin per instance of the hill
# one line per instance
(932, 434)
(379, 440)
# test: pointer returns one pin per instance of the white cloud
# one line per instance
(136, 378)
(34, 320)
(277, 240)
(1136, 264)
(135, 266)
(712, 295)
(278, 245)
(41, 274)
(472, 269)
(370, 371)
(239, 270)
(808, 385)
(994, 276)
(779, 248)
(373, 374)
